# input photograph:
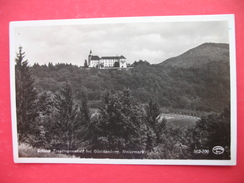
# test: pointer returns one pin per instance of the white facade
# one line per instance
(123, 63)
(106, 62)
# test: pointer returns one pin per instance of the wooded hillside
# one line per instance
(118, 110)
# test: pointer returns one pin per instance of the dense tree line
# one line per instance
(192, 89)
(65, 107)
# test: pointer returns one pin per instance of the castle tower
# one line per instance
(89, 58)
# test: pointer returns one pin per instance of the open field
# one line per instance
(179, 120)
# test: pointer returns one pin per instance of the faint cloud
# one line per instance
(154, 42)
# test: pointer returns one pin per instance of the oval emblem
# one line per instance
(218, 150)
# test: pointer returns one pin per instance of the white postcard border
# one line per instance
(229, 18)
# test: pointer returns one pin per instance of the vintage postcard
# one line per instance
(138, 90)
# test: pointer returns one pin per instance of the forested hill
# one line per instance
(65, 108)
(201, 56)
(173, 84)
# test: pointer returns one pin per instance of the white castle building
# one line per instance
(106, 62)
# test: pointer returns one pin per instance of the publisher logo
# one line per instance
(218, 150)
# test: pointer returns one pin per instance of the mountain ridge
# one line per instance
(200, 56)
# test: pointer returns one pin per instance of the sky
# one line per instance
(151, 41)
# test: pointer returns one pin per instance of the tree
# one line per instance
(26, 98)
(120, 124)
(66, 122)
(152, 111)
(83, 132)
(46, 109)
(84, 108)
(213, 130)
(116, 64)
(153, 124)
(85, 64)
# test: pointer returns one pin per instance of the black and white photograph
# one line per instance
(137, 90)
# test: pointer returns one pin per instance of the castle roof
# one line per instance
(113, 57)
(95, 57)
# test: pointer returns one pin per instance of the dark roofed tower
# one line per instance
(89, 57)
(93, 60)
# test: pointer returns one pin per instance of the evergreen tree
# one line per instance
(85, 127)
(153, 125)
(46, 109)
(26, 98)
(152, 111)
